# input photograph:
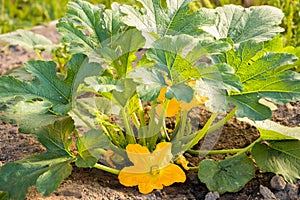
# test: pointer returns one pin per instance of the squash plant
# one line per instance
(131, 69)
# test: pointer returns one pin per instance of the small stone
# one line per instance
(72, 193)
(282, 195)
(1, 164)
(292, 190)
(212, 196)
(266, 193)
(277, 183)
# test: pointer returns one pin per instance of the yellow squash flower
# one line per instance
(174, 105)
(150, 170)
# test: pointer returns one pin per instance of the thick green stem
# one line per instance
(164, 128)
(222, 122)
(225, 151)
(135, 120)
(129, 132)
(107, 169)
(201, 133)
(213, 152)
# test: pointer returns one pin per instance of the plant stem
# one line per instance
(213, 152)
(129, 132)
(225, 151)
(107, 169)
(201, 133)
(37, 52)
(222, 122)
(164, 128)
(135, 120)
(82, 119)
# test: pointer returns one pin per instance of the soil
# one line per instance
(92, 184)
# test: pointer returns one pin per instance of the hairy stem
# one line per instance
(225, 151)
(107, 169)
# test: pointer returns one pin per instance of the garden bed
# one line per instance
(96, 184)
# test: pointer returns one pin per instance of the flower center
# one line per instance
(154, 170)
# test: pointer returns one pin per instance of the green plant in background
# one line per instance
(130, 70)
(19, 14)
(291, 9)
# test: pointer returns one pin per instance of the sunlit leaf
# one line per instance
(270, 130)
(28, 40)
(279, 157)
(167, 21)
(240, 24)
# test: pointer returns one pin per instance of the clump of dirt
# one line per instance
(92, 184)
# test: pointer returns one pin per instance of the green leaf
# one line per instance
(29, 115)
(229, 175)
(86, 111)
(79, 68)
(150, 82)
(120, 53)
(29, 40)
(261, 77)
(87, 26)
(279, 157)
(153, 18)
(181, 92)
(46, 170)
(45, 85)
(240, 24)
(101, 35)
(220, 76)
(178, 55)
(270, 130)
(90, 148)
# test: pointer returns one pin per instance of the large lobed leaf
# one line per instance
(240, 24)
(154, 18)
(229, 175)
(47, 85)
(270, 130)
(261, 76)
(28, 40)
(279, 157)
(101, 35)
(46, 170)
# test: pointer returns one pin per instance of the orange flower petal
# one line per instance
(171, 174)
(162, 155)
(129, 178)
(162, 93)
(173, 108)
(151, 170)
(197, 100)
(151, 183)
(138, 154)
